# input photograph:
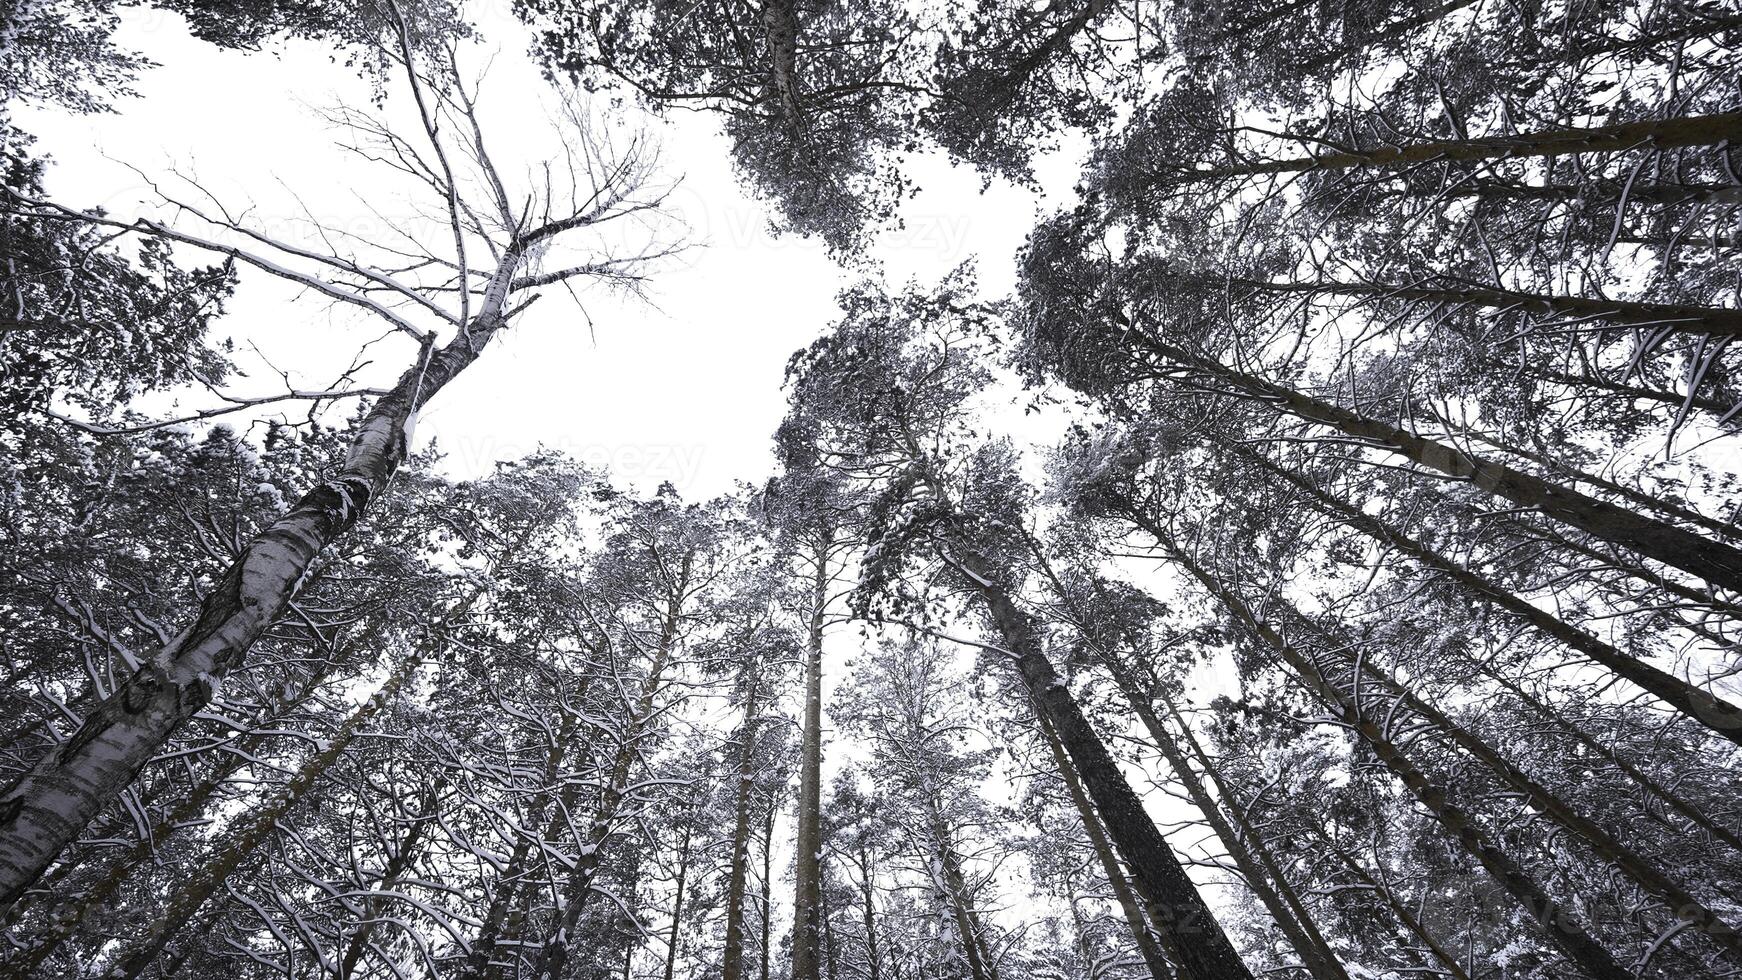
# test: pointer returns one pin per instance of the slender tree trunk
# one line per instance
(1709, 405)
(1389, 32)
(1675, 897)
(1706, 321)
(831, 952)
(512, 885)
(1404, 916)
(1257, 845)
(1656, 134)
(1314, 953)
(1688, 811)
(952, 885)
(1127, 899)
(92, 898)
(204, 882)
(1607, 192)
(1556, 920)
(807, 863)
(1188, 930)
(767, 917)
(1719, 564)
(1632, 495)
(873, 959)
(1696, 703)
(673, 937)
(732, 961)
(1708, 27)
(780, 30)
(397, 865)
(553, 955)
(44, 810)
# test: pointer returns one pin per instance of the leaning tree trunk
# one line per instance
(1258, 846)
(1554, 919)
(1116, 880)
(92, 896)
(1315, 954)
(1405, 916)
(1675, 897)
(44, 811)
(1189, 932)
(1705, 321)
(1670, 798)
(767, 917)
(807, 862)
(258, 826)
(1695, 702)
(403, 856)
(1632, 495)
(1719, 564)
(1655, 134)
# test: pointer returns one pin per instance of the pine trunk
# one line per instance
(1116, 881)
(732, 964)
(1556, 920)
(807, 865)
(1188, 930)
(1719, 564)
(1696, 703)
(1653, 134)
(1314, 953)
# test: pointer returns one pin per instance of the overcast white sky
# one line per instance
(686, 390)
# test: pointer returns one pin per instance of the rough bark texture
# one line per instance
(1314, 953)
(780, 29)
(1189, 932)
(1127, 899)
(952, 886)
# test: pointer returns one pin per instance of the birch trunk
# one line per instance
(259, 825)
(44, 810)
